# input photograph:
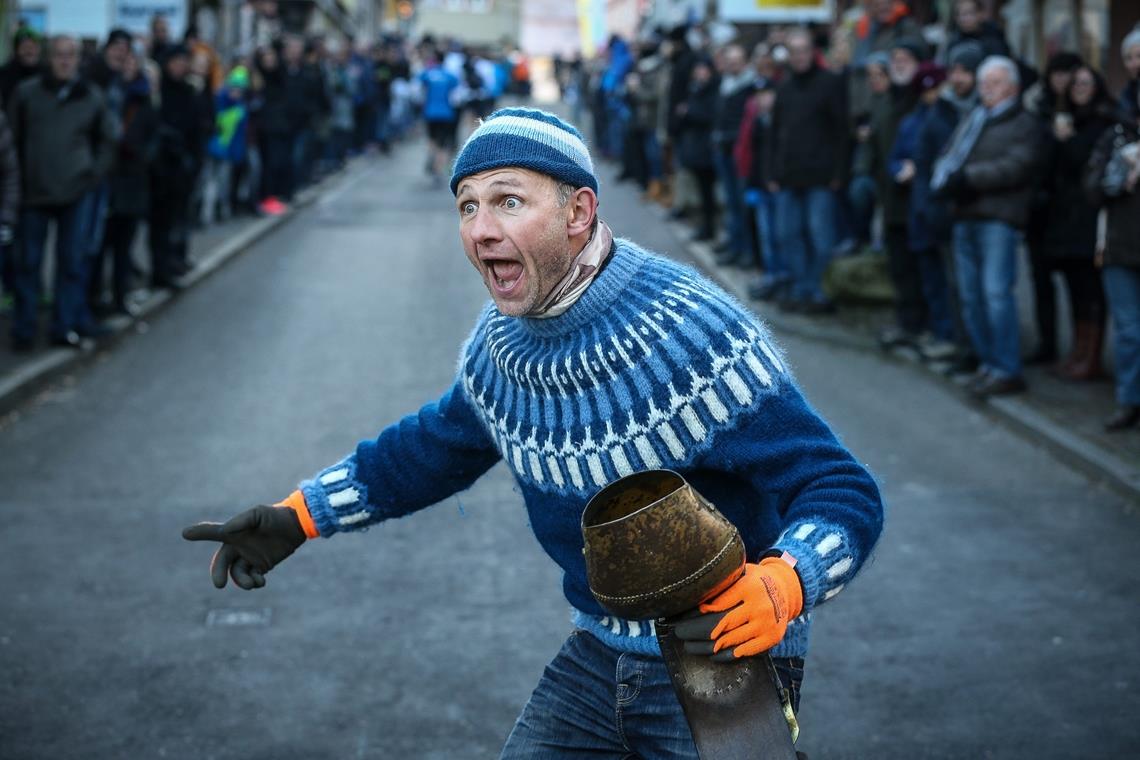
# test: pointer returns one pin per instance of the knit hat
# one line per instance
(929, 76)
(916, 46)
(968, 54)
(879, 58)
(238, 78)
(530, 139)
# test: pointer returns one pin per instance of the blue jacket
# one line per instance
(906, 143)
(930, 214)
(231, 127)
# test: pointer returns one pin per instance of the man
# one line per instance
(737, 83)
(955, 102)
(878, 30)
(161, 42)
(597, 359)
(307, 101)
(987, 171)
(439, 114)
(180, 156)
(65, 137)
(26, 62)
(808, 157)
(971, 24)
(887, 114)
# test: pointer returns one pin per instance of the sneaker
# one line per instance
(896, 337)
(935, 349)
(272, 206)
(999, 385)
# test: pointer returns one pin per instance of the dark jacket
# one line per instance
(1122, 238)
(12, 75)
(65, 146)
(137, 151)
(181, 141)
(271, 108)
(887, 114)
(680, 73)
(929, 211)
(759, 174)
(989, 36)
(919, 236)
(9, 176)
(1070, 219)
(809, 146)
(695, 138)
(1000, 170)
(730, 109)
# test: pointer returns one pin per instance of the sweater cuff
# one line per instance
(296, 502)
(337, 500)
(825, 560)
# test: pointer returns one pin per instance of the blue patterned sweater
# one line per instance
(653, 367)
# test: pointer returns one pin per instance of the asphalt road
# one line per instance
(998, 618)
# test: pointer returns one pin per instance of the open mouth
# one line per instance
(505, 275)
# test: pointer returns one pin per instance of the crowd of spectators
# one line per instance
(159, 134)
(930, 152)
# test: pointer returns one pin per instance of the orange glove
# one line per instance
(750, 616)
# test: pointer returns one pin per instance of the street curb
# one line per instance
(26, 380)
(1078, 453)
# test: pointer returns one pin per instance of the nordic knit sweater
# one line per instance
(653, 367)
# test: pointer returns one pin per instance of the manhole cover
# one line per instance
(238, 617)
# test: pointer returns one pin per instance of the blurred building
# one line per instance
(475, 22)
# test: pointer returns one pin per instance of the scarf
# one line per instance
(963, 141)
(582, 272)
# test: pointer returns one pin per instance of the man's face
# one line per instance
(1132, 61)
(115, 54)
(64, 59)
(28, 52)
(799, 53)
(734, 60)
(967, 17)
(878, 80)
(996, 87)
(961, 80)
(177, 66)
(881, 10)
(904, 67)
(515, 235)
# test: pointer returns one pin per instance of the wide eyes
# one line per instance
(467, 209)
(510, 203)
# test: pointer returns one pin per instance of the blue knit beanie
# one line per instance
(530, 139)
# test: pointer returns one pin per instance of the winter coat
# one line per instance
(760, 133)
(180, 131)
(12, 75)
(272, 106)
(1127, 107)
(9, 176)
(65, 147)
(919, 237)
(810, 138)
(1122, 238)
(1070, 220)
(731, 100)
(887, 113)
(229, 140)
(1000, 170)
(135, 155)
(680, 72)
(931, 214)
(696, 146)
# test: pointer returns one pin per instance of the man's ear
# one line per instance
(581, 211)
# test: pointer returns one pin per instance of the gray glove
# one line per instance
(253, 543)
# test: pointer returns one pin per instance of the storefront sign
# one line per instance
(752, 11)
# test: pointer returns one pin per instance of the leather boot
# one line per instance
(1087, 366)
(653, 191)
(665, 198)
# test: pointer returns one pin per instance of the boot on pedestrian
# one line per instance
(1087, 365)
(1126, 416)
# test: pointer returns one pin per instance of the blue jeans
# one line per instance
(775, 266)
(1122, 286)
(652, 151)
(739, 241)
(861, 194)
(985, 253)
(936, 292)
(594, 700)
(805, 230)
(71, 268)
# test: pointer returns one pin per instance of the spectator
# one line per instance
(930, 213)
(276, 134)
(1071, 220)
(936, 341)
(26, 62)
(341, 89)
(442, 121)
(180, 155)
(105, 71)
(773, 282)
(862, 195)
(130, 180)
(808, 160)
(1046, 98)
(66, 138)
(306, 103)
(736, 86)
(970, 23)
(887, 114)
(1112, 180)
(227, 148)
(646, 102)
(694, 141)
(987, 170)
(1130, 95)
(9, 199)
(161, 41)
(884, 23)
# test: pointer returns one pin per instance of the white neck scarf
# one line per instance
(582, 272)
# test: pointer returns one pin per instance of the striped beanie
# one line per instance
(530, 139)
